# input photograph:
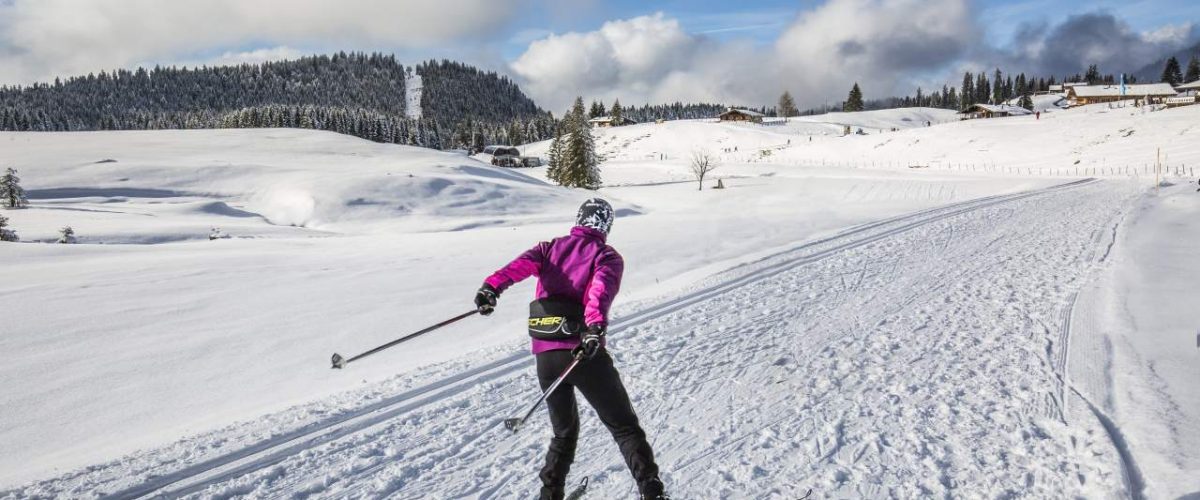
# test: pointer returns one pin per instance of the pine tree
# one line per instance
(1093, 75)
(998, 87)
(617, 114)
(1193, 71)
(554, 155)
(968, 91)
(1171, 73)
(597, 110)
(578, 164)
(516, 134)
(1026, 102)
(854, 101)
(5, 233)
(11, 193)
(787, 106)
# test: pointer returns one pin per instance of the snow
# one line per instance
(1138, 339)
(832, 320)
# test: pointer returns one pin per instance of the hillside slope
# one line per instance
(1117, 141)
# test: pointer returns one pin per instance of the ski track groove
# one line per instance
(356, 424)
(1131, 476)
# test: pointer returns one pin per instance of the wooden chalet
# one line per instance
(741, 115)
(1150, 93)
(992, 111)
(607, 121)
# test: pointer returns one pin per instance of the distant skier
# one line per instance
(578, 277)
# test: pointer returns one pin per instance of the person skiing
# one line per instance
(578, 278)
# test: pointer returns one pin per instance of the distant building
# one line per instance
(992, 111)
(1189, 94)
(1189, 88)
(607, 121)
(741, 115)
(1080, 95)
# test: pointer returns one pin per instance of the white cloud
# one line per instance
(651, 58)
(1171, 34)
(40, 39)
(227, 58)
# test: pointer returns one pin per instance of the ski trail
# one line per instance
(1131, 475)
(341, 456)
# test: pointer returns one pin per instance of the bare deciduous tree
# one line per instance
(703, 162)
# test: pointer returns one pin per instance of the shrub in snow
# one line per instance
(11, 193)
(5, 233)
(66, 235)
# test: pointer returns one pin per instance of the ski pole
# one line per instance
(515, 424)
(339, 362)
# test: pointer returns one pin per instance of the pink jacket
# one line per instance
(578, 266)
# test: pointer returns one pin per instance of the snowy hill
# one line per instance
(832, 320)
(1117, 141)
(255, 181)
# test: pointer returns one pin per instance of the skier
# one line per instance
(578, 277)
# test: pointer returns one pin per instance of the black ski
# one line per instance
(578, 492)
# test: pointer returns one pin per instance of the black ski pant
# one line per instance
(601, 385)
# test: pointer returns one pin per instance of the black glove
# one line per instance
(591, 342)
(485, 299)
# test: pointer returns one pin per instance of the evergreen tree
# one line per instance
(1193, 71)
(617, 115)
(968, 91)
(516, 136)
(787, 106)
(1026, 102)
(1171, 73)
(597, 110)
(5, 233)
(998, 87)
(554, 155)
(11, 193)
(854, 101)
(1093, 75)
(983, 89)
(578, 164)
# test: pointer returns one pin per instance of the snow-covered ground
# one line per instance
(1135, 342)
(859, 331)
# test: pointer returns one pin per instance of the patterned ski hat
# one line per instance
(596, 214)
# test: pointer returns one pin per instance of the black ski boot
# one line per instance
(654, 490)
(549, 493)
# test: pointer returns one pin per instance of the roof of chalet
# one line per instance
(608, 119)
(997, 108)
(743, 111)
(1137, 89)
(1189, 86)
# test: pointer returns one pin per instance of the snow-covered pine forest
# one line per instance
(350, 93)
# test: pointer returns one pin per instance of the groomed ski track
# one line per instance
(911, 356)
